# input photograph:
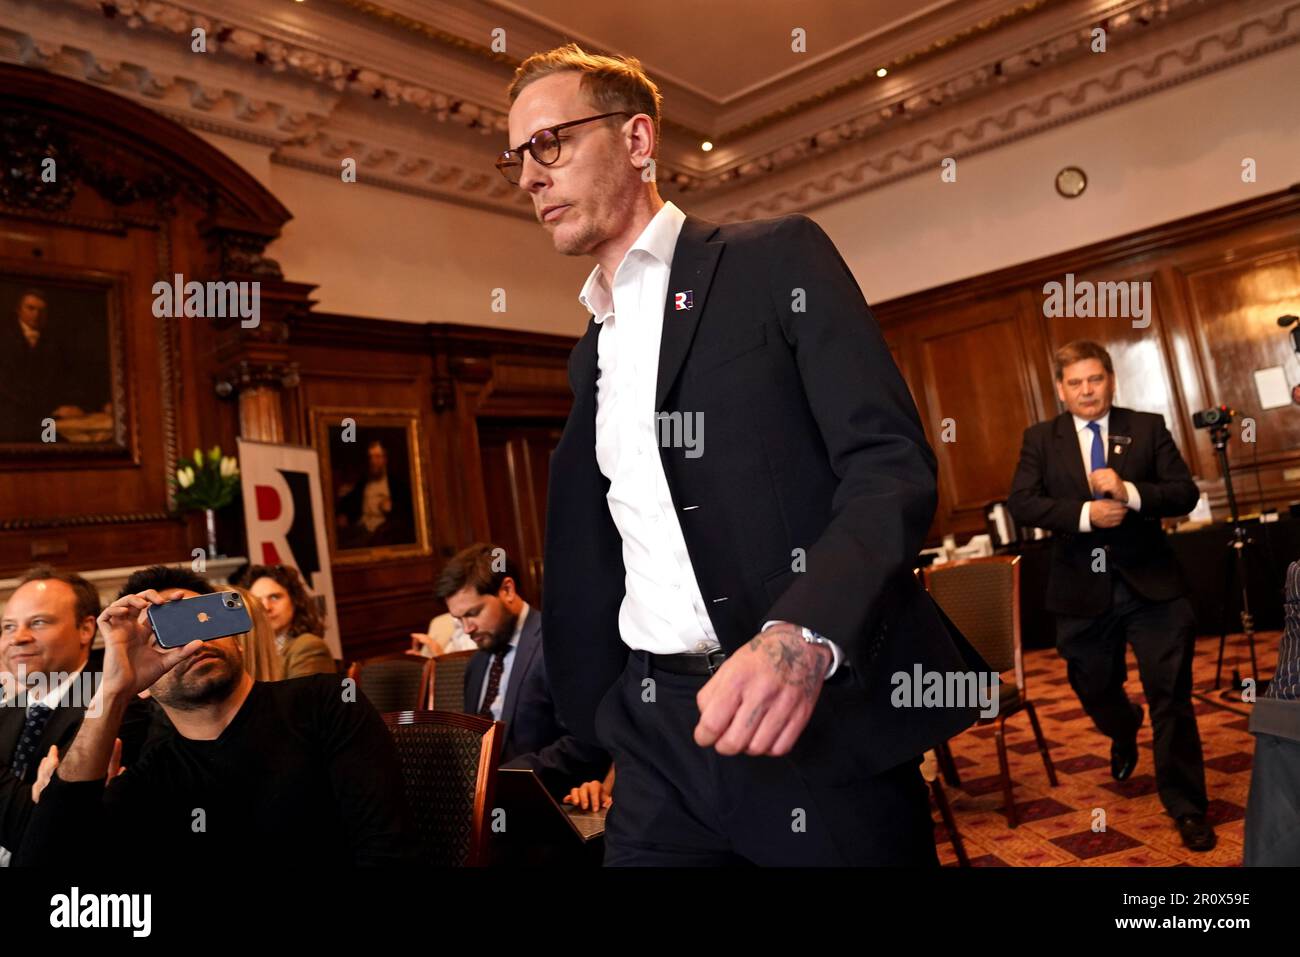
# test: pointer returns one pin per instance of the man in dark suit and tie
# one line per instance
(735, 508)
(1101, 478)
(506, 678)
(46, 631)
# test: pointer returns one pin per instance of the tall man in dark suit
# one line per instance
(506, 678)
(735, 508)
(1101, 478)
(46, 632)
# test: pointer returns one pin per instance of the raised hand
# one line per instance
(133, 660)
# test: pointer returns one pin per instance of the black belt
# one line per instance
(705, 663)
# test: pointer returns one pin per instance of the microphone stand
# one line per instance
(1237, 567)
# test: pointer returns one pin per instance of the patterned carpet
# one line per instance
(1056, 823)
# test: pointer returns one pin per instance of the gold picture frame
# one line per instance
(373, 482)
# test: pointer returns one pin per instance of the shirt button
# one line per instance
(701, 646)
(677, 586)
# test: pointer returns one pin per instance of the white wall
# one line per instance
(390, 255)
(1158, 158)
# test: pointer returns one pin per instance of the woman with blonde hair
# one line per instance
(261, 659)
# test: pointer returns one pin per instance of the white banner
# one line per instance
(284, 517)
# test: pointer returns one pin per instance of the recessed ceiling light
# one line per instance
(706, 146)
(882, 72)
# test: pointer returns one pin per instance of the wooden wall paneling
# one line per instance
(1235, 301)
(141, 198)
(989, 401)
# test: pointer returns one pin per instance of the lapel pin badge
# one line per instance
(1120, 443)
(684, 300)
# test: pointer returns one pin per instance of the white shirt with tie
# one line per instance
(1085, 449)
(663, 611)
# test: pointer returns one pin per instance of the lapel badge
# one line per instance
(1120, 443)
(684, 300)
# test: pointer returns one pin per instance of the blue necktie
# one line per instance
(1098, 451)
(33, 724)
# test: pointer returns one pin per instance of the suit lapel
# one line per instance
(1067, 445)
(1119, 425)
(694, 260)
(529, 642)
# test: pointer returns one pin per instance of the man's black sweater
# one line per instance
(299, 777)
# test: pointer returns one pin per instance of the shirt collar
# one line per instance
(1080, 423)
(658, 239)
(58, 693)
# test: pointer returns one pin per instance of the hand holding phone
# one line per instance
(132, 658)
(203, 617)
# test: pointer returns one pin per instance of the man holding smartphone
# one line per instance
(301, 766)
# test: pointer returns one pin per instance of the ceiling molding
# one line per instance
(304, 83)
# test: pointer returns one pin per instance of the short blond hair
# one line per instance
(611, 83)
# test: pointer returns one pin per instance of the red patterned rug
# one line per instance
(1056, 824)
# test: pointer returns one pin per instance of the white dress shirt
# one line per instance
(1085, 449)
(663, 611)
(507, 666)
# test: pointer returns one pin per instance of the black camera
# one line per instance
(1213, 418)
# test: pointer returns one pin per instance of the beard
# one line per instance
(201, 682)
(505, 631)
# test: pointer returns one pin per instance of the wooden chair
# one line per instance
(391, 682)
(449, 768)
(982, 597)
(442, 686)
(930, 772)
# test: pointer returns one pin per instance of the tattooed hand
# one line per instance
(761, 698)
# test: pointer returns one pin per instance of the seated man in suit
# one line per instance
(304, 766)
(1101, 478)
(506, 680)
(45, 637)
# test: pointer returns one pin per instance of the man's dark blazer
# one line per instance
(1051, 485)
(60, 731)
(810, 499)
(534, 736)
(15, 793)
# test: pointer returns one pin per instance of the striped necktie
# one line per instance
(494, 682)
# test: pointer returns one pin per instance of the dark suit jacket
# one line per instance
(15, 793)
(62, 727)
(811, 442)
(534, 736)
(1051, 485)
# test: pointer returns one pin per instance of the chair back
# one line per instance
(982, 597)
(449, 766)
(442, 686)
(391, 682)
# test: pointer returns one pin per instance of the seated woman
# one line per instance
(294, 618)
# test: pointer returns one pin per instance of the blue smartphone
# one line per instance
(205, 617)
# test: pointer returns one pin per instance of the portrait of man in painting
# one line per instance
(372, 489)
(55, 362)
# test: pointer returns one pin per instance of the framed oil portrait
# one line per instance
(61, 370)
(372, 477)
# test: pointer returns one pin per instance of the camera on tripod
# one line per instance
(1215, 418)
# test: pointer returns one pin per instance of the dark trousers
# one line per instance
(679, 804)
(1163, 638)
